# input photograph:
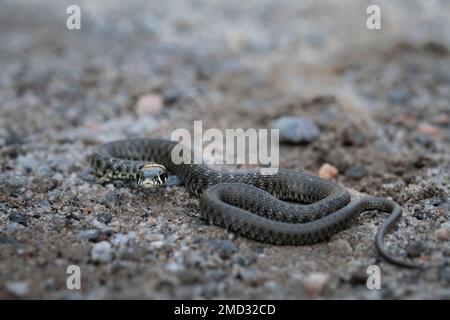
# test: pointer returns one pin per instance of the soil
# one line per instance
(379, 97)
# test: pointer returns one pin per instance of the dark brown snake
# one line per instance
(249, 203)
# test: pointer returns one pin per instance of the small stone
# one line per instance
(171, 96)
(48, 172)
(245, 261)
(225, 248)
(444, 274)
(105, 217)
(20, 218)
(11, 182)
(43, 207)
(102, 252)
(112, 197)
(296, 129)
(327, 171)
(18, 288)
(428, 129)
(12, 227)
(423, 139)
(173, 267)
(358, 171)
(28, 162)
(442, 119)
(442, 234)
(149, 104)
(251, 275)
(158, 244)
(315, 283)
(120, 238)
(399, 96)
(446, 225)
(421, 215)
(93, 235)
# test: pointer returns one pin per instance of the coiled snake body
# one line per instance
(252, 204)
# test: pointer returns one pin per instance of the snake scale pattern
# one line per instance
(286, 208)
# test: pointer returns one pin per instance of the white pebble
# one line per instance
(315, 283)
(102, 252)
(18, 288)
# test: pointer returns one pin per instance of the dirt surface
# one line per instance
(380, 98)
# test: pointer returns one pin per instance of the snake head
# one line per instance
(152, 175)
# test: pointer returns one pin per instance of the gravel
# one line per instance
(371, 109)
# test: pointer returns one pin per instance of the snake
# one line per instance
(288, 207)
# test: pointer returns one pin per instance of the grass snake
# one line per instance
(286, 208)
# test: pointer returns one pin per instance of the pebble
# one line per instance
(446, 225)
(102, 252)
(149, 104)
(444, 274)
(428, 129)
(225, 248)
(251, 275)
(315, 283)
(105, 217)
(18, 288)
(358, 171)
(28, 162)
(421, 215)
(296, 129)
(158, 244)
(173, 267)
(120, 238)
(171, 96)
(20, 218)
(43, 207)
(12, 227)
(11, 182)
(94, 235)
(327, 171)
(442, 119)
(443, 233)
(423, 139)
(399, 96)
(112, 197)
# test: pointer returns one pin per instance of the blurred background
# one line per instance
(368, 108)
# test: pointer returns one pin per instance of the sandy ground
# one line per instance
(380, 98)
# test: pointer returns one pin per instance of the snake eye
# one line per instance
(163, 176)
(152, 175)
